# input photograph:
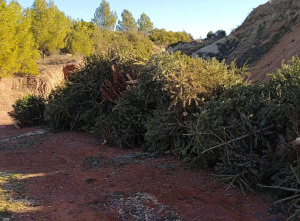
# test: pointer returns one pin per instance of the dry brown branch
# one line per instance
(112, 91)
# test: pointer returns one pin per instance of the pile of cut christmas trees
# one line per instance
(201, 110)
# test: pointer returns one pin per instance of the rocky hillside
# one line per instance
(269, 35)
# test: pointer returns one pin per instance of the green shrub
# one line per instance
(29, 110)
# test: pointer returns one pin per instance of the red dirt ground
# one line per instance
(72, 177)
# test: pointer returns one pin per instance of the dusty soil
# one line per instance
(69, 176)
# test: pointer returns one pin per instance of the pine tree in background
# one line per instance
(104, 18)
(165, 38)
(211, 34)
(17, 47)
(49, 26)
(80, 39)
(127, 23)
(144, 23)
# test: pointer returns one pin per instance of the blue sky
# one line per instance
(197, 17)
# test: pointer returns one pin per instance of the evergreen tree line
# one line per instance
(41, 30)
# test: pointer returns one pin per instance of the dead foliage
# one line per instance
(113, 90)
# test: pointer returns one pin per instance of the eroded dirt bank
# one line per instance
(53, 73)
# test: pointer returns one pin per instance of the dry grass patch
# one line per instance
(10, 190)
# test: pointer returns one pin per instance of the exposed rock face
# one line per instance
(190, 47)
(218, 49)
(207, 48)
(208, 51)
